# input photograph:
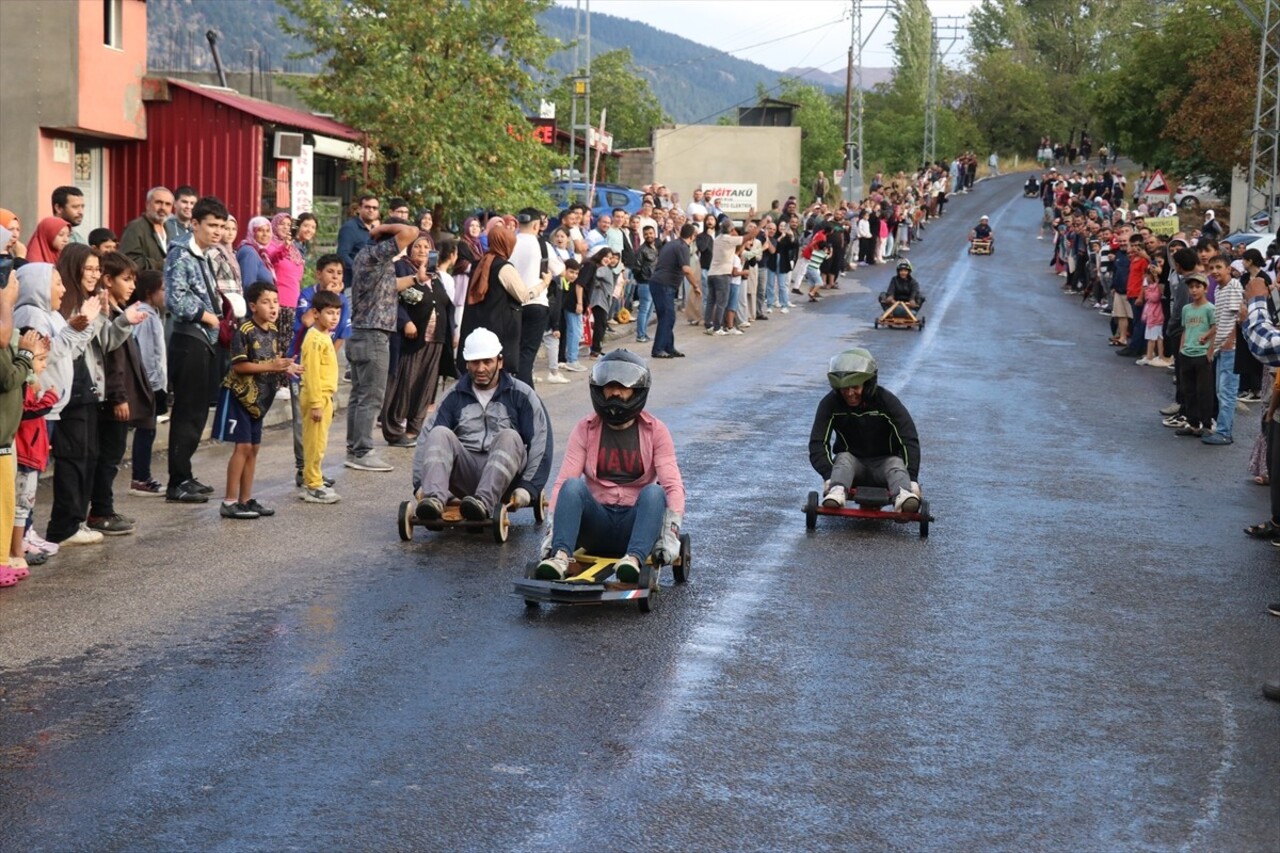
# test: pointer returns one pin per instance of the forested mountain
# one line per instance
(692, 81)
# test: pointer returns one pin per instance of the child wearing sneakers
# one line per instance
(328, 277)
(148, 295)
(15, 367)
(31, 446)
(319, 384)
(1195, 371)
(256, 370)
(1153, 320)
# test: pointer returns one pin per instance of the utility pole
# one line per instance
(851, 189)
(1264, 149)
(949, 30)
(581, 91)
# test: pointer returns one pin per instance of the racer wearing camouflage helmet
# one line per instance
(863, 436)
(619, 492)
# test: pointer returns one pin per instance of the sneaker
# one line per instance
(34, 540)
(371, 461)
(1175, 421)
(264, 511)
(146, 488)
(573, 367)
(785, 309)
(110, 525)
(322, 495)
(201, 487)
(720, 333)
(835, 497)
(186, 492)
(236, 510)
(1189, 431)
(1216, 438)
(297, 480)
(283, 393)
(708, 331)
(552, 568)
(1170, 410)
(1143, 361)
(736, 331)
(82, 536)
(1161, 362)
(745, 324)
(473, 509)
(555, 378)
(627, 569)
(36, 557)
(906, 501)
(429, 509)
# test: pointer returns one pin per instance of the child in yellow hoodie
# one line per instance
(319, 384)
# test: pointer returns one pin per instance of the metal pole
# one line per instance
(853, 141)
(586, 149)
(1264, 150)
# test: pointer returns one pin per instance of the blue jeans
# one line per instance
(644, 308)
(775, 289)
(664, 305)
(582, 521)
(572, 336)
(735, 294)
(1228, 388)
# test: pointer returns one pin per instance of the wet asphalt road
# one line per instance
(1071, 661)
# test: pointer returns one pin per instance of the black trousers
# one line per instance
(599, 325)
(1198, 390)
(113, 439)
(194, 380)
(75, 454)
(533, 323)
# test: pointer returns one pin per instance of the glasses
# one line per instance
(369, 206)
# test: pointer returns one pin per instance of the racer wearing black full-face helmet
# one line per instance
(903, 287)
(863, 435)
(619, 492)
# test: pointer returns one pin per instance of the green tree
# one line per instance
(1010, 100)
(821, 130)
(912, 47)
(622, 89)
(439, 86)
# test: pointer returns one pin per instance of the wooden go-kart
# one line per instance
(867, 502)
(982, 247)
(900, 315)
(498, 523)
(588, 581)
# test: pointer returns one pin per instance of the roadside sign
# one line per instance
(1166, 225)
(1157, 185)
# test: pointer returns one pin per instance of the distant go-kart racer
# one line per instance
(902, 298)
(863, 435)
(982, 240)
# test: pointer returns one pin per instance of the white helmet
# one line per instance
(481, 344)
(984, 216)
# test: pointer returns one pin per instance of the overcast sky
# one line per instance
(735, 25)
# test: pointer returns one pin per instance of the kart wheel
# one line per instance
(531, 604)
(875, 324)
(645, 604)
(540, 508)
(811, 511)
(922, 324)
(501, 524)
(681, 568)
(404, 521)
(924, 519)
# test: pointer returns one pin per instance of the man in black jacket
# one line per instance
(903, 288)
(863, 436)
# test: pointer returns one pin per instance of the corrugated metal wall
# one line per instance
(190, 140)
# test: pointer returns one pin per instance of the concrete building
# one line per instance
(688, 155)
(72, 75)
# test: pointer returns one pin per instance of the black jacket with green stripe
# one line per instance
(880, 426)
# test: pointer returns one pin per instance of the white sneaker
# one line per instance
(735, 331)
(906, 502)
(322, 495)
(719, 332)
(768, 310)
(785, 310)
(1142, 361)
(83, 536)
(710, 331)
(746, 324)
(573, 367)
(553, 568)
(555, 378)
(35, 540)
(283, 393)
(835, 497)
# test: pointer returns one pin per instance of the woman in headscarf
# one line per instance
(424, 323)
(11, 246)
(222, 258)
(495, 296)
(255, 264)
(52, 234)
(469, 254)
(289, 266)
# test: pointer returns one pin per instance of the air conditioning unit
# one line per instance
(288, 146)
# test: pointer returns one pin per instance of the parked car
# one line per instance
(1194, 192)
(608, 197)
(1251, 240)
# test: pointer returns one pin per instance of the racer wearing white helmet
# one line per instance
(982, 231)
(863, 436)
(489, 437)
(619, 492)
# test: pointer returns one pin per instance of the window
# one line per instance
(616, 200)
(112, 23)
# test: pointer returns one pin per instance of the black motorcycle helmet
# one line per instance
(628, 370)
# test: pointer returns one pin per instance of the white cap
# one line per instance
(984, 216)
(481, 344)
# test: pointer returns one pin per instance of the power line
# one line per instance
(751, 46)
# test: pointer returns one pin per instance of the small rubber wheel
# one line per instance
(924, 519)
(922, 324)
(501, 524)
(680, 569)
(404, 521)
(540, 508)
(811, 511)
(875, 324)
(531, 604)
(646, 604)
